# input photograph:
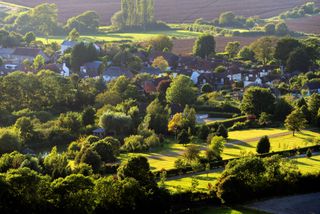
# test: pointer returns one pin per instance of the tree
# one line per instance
(264, 48)
(29, 37)
(157, 117)
(69, 191)
(87, 22)
(181, 91)
(295, 121)
(8, 142)
(160, 43)
(70, 121)
(263, 145)
(227, 19)
(105, 151)
(82, 53)
(246, 53)
(298, 61)
(215, 148)
(282, 29)
(73, 35)
(232, 49)
(88, 116)
(55, 164)
(191, 153)
(25, 128)
(220, 69)
(222, 131)
(116, 122)
(204, 46)
(264, 119)
(90, 157)
(38, 62)
(309, 153)
(270, 29)
(206, 88)
(183, 137)
(314, 105)
(257, 100)
(160, 63)
(139, 169)
(284, 48)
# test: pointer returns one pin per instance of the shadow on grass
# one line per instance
(302, 163)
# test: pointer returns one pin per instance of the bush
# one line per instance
(152, 141)
(263, 145)
(309, 153)
(229, 122)
(134, 143)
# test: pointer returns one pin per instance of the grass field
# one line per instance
(303, 139)
(309, 165)
(137, 37)
(185, 183)
(305, 165)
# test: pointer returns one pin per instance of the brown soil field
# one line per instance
(306, 24)
(173, 11)
(184, 46)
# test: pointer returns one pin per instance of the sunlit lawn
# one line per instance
(164, 158)
(109, 37)
(254, 133)
(185, 183)
(303, 139)
(309, 165)
(226, 210)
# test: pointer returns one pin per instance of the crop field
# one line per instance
(176, 11)
(310, 24)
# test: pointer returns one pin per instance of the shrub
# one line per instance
(134, 143)
(152, 141)
(309, 153)
(263, 145)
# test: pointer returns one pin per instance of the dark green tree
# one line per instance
(263, 145)
(204, 46)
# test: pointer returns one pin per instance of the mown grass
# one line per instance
(185, 183)
(164, 157)
(302, 139)
(309, 165)
(227, 210)
(115, 37)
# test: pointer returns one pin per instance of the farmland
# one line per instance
(176, 11)
(309, 24)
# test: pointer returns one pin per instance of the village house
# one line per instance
(312, 88)
(91, 69)
(114, 72)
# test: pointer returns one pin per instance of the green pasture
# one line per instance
(116, 37)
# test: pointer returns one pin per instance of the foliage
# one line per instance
(222, 131)
(55, 164)
(263, 145)
(181, 91)
(82, 53)
(87, 22)
(134, 143)
(295, 121)
(161, 43)
(232, 49)
(257, 100)
(116, 122)
(264, 48)
(160, 63)
(183, 137)
(204, 46)
(9, 142)
(215, 148)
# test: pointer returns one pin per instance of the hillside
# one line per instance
(173, 10)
